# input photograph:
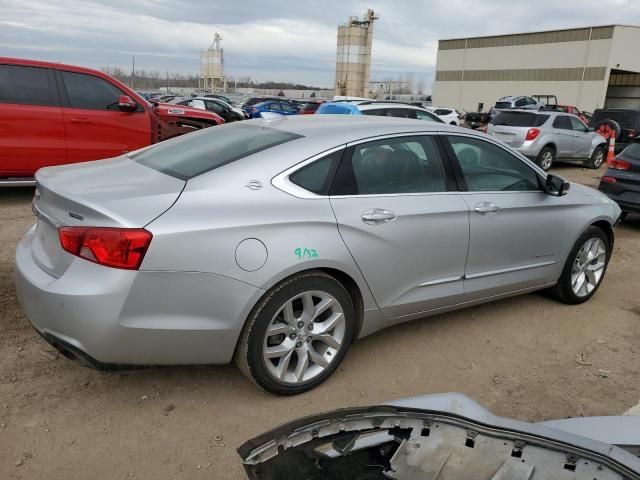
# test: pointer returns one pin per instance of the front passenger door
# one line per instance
(516, 230)
(403, 221)
(581, 138)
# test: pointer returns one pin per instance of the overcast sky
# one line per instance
(292, 40)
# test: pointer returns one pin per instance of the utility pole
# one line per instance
(133, 73)
(167, 81)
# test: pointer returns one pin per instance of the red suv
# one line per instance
(53, 114)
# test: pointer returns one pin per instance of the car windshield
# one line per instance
(624, 118)
(519, 119)
(191, 155)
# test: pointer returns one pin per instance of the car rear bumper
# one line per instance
(626, 195)
(106, 316)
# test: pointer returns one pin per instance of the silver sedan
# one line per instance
(279, 242)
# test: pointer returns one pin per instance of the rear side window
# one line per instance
(89, 92)
(27, 86)
(519, 119)
(632, 151)
(316, 177)
(190, 155)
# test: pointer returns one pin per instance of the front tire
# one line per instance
(298, 334)
(546, 157)
(585, 268)
(597, 158)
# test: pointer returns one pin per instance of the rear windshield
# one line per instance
(503, 105)
(519, 119)
(624, 118)
(193, 154)
(632, 151)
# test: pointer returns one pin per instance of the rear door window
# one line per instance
(27, 86)
(400, 165)
(562, 122)
(89, 92)
(190, 155)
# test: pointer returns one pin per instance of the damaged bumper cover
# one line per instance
(447, 437)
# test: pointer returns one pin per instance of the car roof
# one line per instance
(349, 127)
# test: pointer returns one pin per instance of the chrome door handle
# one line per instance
(377, 215)
(486, 207)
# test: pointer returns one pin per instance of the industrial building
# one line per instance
(353, 62)
(212, 67)
(589, 67)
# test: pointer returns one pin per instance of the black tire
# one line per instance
(597, 157)
(562, 290)
(543, 158)
(249, 352)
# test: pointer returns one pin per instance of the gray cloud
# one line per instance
(279, 40)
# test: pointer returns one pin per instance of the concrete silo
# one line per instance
(353, 63)
(212, 67)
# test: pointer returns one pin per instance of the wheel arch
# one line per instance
(346, 280)
(607, 228)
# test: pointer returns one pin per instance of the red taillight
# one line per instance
(618, 164)
(532, 134)
(254, 109)
(108, 246)
(606, 179)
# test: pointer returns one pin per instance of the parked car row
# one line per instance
(319, 231)
(55, 114)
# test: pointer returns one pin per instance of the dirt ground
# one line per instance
(528, 357)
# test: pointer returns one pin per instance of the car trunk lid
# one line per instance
(108, 193)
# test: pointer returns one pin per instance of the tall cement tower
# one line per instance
(212, 67)
(353, 63)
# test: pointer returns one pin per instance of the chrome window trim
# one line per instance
(281, 181)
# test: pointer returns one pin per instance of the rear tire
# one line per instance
(597, 158)
(546, 158)
(286, 347)
(583, 267)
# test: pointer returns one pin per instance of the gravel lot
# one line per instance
(527, 357)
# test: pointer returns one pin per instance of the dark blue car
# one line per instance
(274, 106)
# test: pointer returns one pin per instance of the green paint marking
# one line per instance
(304, 253)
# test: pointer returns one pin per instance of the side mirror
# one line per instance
(591, 129)
(556, 186)
(126, 104)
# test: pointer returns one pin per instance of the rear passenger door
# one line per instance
(95, 127)
(403, 221)
(31, 122)
(563, 135)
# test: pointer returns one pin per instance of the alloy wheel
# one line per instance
(547, 160)
(598, 158)
(588, 267)
(304, 337)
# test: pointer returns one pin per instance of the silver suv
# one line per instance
(520, 102)
(548, 136)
